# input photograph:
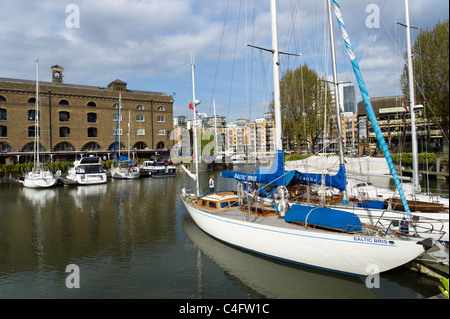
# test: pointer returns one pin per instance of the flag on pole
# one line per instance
(405, 107)
(191, 107)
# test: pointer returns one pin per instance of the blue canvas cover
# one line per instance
(273, 176)
(378, 204)
(337, 181)
(324, 217)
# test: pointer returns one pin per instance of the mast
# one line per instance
(276, 95)
(36, 117)
(416, 185)
(118, 119)
(195, 103)
(276, 77)
(368, 105)
(336, 94)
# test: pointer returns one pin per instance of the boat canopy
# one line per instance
(275, 175)
(337, 181)
(324, 217)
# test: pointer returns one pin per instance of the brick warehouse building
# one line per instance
(79, 120)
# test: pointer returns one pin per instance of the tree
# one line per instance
(431, 72)
(303, 95)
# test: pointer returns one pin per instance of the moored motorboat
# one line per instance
(86, 171)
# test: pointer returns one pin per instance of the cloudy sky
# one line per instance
(147, 43)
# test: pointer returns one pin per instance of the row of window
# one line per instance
(65, 132)
(67, 147)
(32, 100)
(64, 116)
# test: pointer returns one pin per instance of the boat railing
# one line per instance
(398, 224)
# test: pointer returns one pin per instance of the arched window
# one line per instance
(64, 116)
(140, 146)
(92, 132)
(3, 114)
(91, 104)
(29, 147)
(140, 118)
(64, 147)
(92, 146)
(92, 117)
(111, 147)
(160, 108)
(32, 131)
(64, 132)
(139, 107)
(2, 98)
(63, 102)
(160, 146)
(3, 131)
(31, 115)
(31, 100)
(5, 148)
(116, 105)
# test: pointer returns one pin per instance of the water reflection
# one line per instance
(135, 239)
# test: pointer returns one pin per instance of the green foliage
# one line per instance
(406, 158)
(431, 72)
(444, 289)
(296, 157)
(303, 97)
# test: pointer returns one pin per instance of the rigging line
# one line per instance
(218, 57)
(234, 59)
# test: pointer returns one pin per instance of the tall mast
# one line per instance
(118, 119)
(276, 76)
(416, 184)
(276, 95)
(195, 103)
(336, 92)
(36, 133)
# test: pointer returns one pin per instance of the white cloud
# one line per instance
(147, 43)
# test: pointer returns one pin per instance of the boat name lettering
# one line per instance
(249, 178)
(370, 240)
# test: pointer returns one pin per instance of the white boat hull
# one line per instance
(125, 174)
(44, 179)
(346, 253)
(88, 179)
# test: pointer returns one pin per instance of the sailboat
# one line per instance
(39, 177)
(122, 167)
(319, 237)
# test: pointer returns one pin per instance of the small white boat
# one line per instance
(39, 177)
(158, 169)
(86, 171)
(125, 170)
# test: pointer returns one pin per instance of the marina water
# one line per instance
(134, 239)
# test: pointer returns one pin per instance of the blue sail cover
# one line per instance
(324, 217)
(337, 181)
(273, 176)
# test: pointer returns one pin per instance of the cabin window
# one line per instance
(212, 205)
(204, 203)
(224, 204)
(234, 203)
